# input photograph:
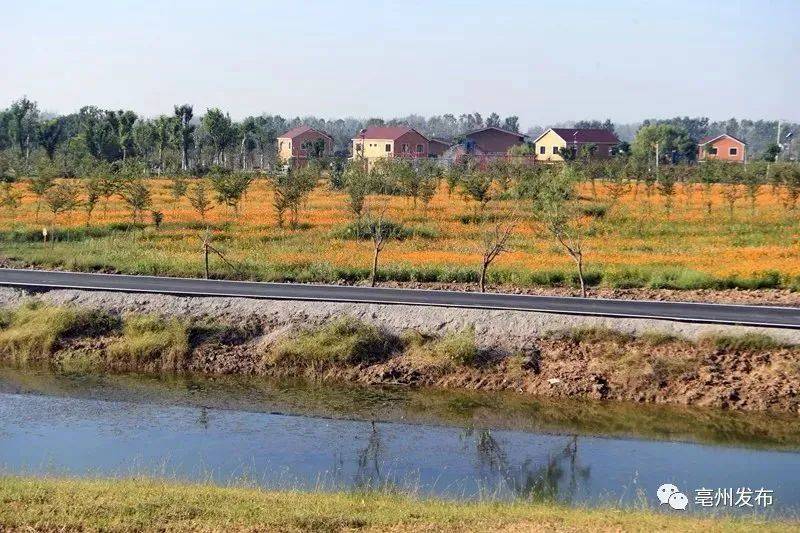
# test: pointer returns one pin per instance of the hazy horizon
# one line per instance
(545, 63)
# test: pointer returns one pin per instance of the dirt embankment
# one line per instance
(534, 353)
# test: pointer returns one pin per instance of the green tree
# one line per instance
(61, 198)
(557, 205)
(121, 123)
(476, 185)
(136, 194)
(23, 115)
(358, 184)
(291, 188)
(9, 199)
(668, 139)
(220, 132)
(51, 135)
(198, 198)
(93, 188)
(178, 187)
(43, 181)
(772, 152)
(230, 187)
(183, 131)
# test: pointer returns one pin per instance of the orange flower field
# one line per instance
(637, 234)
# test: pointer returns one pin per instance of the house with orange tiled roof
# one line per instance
(722, 147)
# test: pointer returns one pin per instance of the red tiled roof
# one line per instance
(385, 132)
(708, 138)
(586, 135)
(299, 130)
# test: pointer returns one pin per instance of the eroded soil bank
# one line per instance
(532, 353)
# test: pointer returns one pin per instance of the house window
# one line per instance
(405, 148)
(419, 148)
(542, 149)
(388, 147)
(713, 150)
(733, 151)
(555, 150)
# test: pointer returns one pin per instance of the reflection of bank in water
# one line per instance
(202, 442)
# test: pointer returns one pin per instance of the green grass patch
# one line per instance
(48, 504)
(344, 341)
(151, 342)
(457, 347)
(32, 333)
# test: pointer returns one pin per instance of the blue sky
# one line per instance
(544, 61)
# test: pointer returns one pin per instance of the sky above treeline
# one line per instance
(546, 62)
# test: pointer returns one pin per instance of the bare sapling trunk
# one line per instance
(574, 249)
(494, 244)
(373, 276)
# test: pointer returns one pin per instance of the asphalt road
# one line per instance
(781, 317)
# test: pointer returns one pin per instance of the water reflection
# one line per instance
(50, 434)
(530, 480)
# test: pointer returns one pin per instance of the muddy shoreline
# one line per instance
(548, 355)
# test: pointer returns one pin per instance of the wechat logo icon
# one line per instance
(670, 494)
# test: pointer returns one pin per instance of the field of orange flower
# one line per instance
(635, 241)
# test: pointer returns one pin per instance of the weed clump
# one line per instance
(151, 341)
(32, 333)
(596, 334)
(345, 340)
(659, 338)
(746, 342)
(458, 347)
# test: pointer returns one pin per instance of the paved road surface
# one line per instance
(782, 317)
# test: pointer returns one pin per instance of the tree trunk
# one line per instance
(374, 274)
(579, 262)
(205, 258)
(484, 267)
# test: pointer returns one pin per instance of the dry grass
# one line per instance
(635, 243)
(344, 341)
(31, 333)
(740, 343)
(151, 342)
(31, 504)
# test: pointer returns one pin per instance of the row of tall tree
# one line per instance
(182, 141)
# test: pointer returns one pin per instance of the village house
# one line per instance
(721, 147)
(549, 144)
(437, 147)
(379, 142)
(299, 144)
(492, 142)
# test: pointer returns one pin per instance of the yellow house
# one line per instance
(549, 144)
(379, 142)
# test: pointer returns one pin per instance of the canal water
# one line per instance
(469, 446)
